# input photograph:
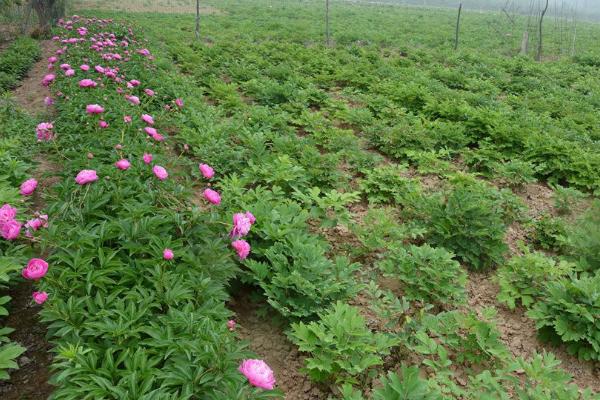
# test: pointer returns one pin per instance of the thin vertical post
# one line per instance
(327, 33)
(457, 27)
(197, 19)
(540, 48)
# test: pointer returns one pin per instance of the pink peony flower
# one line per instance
(48, 79)
(70, 72)
(133, 100)
(168, 254)
(212, 196)
(147, 158)
(258, 373)
(231, 325)
(40, 297)
(127, 119)
(103, 124)
(10, 230)
(242, 248)
(99, 69)
(35, 224)
(123, 164)
(7, 213)
(86, 176)
(149, 92)
(144, 52)
(48, 101)
(179, 102)
(150, 131)
(36, 269)
(158, 137)
(44, 131)
(148, 119)
(206, 170)
(134, 82)
(65, 67)
(241, 225)
(251, 217)
(160, 172)
(85, 83)
(84, 67)
(52, 59)
(94, 109)
(28, 187)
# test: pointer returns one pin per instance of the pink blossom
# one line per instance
(65, 67)
(133, 100)
(127, 118)
(7, 213)
(118, 146)
(28, 187)
(123, 164)
(144, 52)
(206, 170)
(150, 131)
(44, 132)
(84, 67)
(158, 137)
(86, 176)
(36, 269)
(179, 102)
(85, 83)
(160, 172)
(212, 196)
(48, 101)
(103, 124)
(231, 325)
(52, 59)
(11, 229)
(168, 254)
(149, 92)
(36, 223)
(134, 82)
(40, 297)
(148, 119)
(99, 69)
(48, 79)
(147, 158)
(258, 373)
(70, 72)
(241, 225)
(94, 109)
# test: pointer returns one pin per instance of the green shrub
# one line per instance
(565, 198)
(427, 274)
(522, 278)
(341, 346)
(469, 224)
(387, 185)
(16, 60)
(299, 280)
(584, 238)
(549, 233)
(568, 310)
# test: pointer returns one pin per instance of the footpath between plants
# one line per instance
(131, 272)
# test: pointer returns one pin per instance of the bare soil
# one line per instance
(30, 95)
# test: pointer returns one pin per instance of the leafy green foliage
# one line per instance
(341, 346)
(387, 185)
(569, 311)
(584, 238)
(565, 198)
(470, 224)
(16, 60)
(522, 278)
(427, 274)
(549, 233)
(299, 280)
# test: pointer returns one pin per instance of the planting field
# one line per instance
(256, 215)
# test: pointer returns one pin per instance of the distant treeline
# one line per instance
(582, 9)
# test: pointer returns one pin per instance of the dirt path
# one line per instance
(30, 381)
(30, 95)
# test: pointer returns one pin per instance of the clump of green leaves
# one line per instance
(565, 198)
(328, 207)
(427, 274)
(341, 346)
(299, 280)
(522, 278)
(470, 224)
(584, 238)
(549, 233)
(387, 185)
(16, 60)
(569, 312)
(515, 173)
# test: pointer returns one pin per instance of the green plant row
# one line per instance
(16, 60)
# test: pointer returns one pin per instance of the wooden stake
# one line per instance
(197, 19)
(457, 27)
